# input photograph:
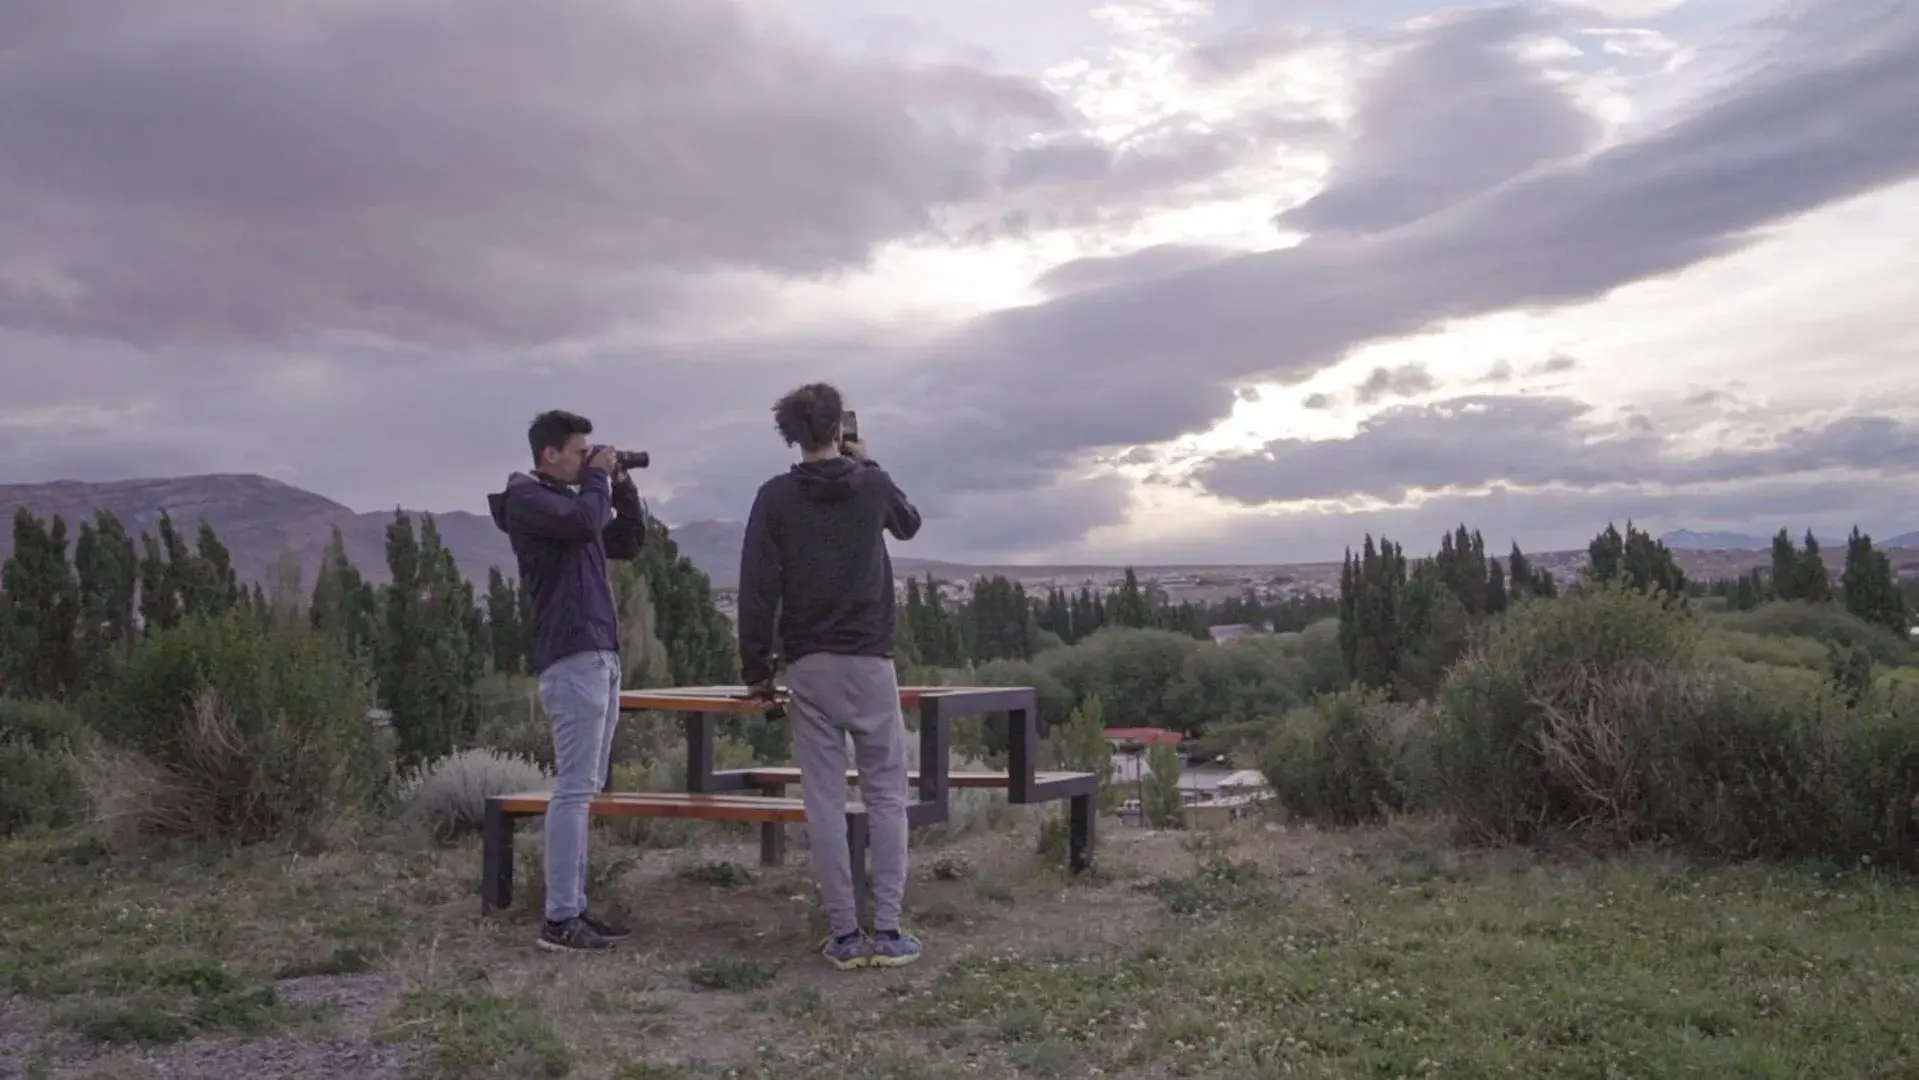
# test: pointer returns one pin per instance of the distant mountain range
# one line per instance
(259, 520)
(1687, 540)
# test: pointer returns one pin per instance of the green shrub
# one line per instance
(1894, 678)
(988, 737)
(1500, 750)
(1161, 804)
(1777, 681)
(448, 796)
(1350, 757)
(39, 786)
(1827, 624)
(1136, 673)
(1235, 682)
(1808, 775)
(1323, 668)
(1055, 701)
(511, 719)
(228, 728)
(1718, 643)
(1595, 717)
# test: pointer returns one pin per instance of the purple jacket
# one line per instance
(563, 540)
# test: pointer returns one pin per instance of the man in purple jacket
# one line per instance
(566, 518)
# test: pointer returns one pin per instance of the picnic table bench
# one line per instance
(758, 793)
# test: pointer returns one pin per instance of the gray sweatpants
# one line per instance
(833, 697)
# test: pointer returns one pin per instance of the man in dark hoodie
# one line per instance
(572, 513)
(814, 552)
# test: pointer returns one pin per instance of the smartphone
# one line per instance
(850, 425)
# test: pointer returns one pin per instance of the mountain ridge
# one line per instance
(1687, 540)
(260, 520)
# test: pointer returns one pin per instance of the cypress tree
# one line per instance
(39, 611)
(108, 571)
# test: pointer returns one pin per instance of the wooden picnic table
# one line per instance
(758, 793)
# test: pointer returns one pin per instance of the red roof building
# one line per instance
(1145, 736)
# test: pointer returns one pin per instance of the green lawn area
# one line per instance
(1630, 969)
(1259, 952)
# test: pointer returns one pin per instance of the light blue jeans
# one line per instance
(581, 695)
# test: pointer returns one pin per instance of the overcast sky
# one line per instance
(1238, 280)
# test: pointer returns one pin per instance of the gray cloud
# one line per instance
(1526, 442)
(1417, 149)
(1075, 181)
(1247, 51)
(1563, 519)
(492, 175)
(1406, 380)
(1146, 264)
(1146, 361)
(532, 179)
(1007, 525)
(1501, 371)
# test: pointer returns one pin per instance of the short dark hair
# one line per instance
(808, 415)
(552, 429)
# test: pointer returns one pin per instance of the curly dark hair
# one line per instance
(553, 428)
(808, 415)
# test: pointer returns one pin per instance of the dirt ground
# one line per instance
(722, 968)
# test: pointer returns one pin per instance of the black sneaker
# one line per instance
(572, 935)
(608, 930)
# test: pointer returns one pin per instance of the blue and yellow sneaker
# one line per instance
(848, 951)
(894, 948)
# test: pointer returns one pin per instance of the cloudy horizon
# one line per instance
(1155, 282)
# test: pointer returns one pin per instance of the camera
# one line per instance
(625, 459)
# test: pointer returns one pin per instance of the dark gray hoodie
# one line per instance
(563, 540)
(814, 551)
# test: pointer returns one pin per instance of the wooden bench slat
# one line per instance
(727, 806)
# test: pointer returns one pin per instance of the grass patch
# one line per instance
(155, 1018)
(1627, 968)
(731, 973)
(343, 960)
(476, 1032)
(1219, 885)
(641, 1070)
(1300, 953)
(798, 1003)
(187, 920)
(718, 874)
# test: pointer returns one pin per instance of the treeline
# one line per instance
(1403, 624)
(75, 607)
(111, 641)
(1868, 587)
(1000, 620)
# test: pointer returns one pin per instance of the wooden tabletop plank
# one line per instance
(733, 699)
